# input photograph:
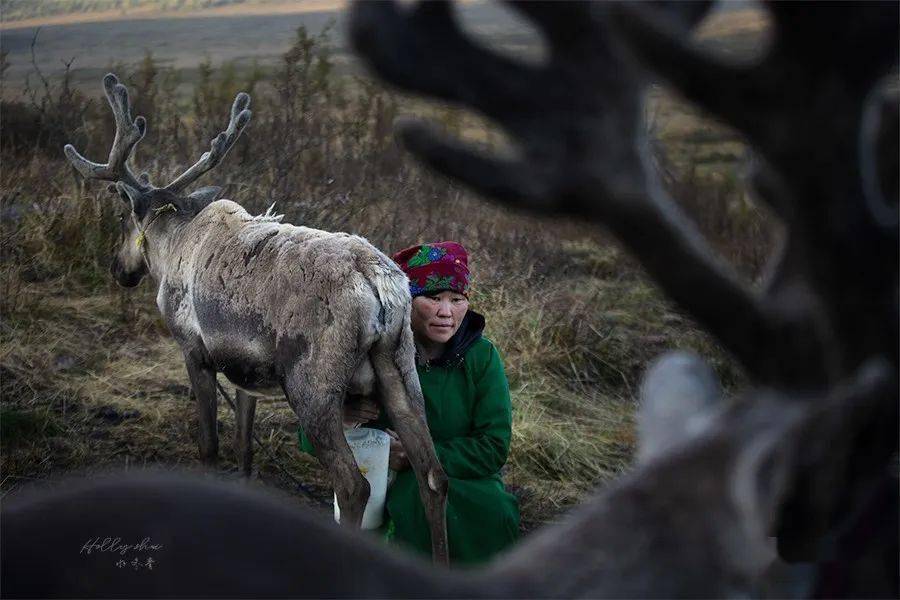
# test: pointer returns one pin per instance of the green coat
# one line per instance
(469, 414)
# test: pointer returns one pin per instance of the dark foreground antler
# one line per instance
(814, 107)
(577, 121)
(806, 453)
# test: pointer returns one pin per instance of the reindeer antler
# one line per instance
(802, 106)
(830, 305)
(577, 120)
(220, 145)
(128, 134)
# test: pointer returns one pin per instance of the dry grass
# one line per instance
(106, 386)
(85, 390)
(91, 379)
(95, 372)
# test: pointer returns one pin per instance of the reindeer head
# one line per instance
(150, 211)
(157, 209)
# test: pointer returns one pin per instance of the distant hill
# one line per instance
(17, 10)
(38, 13)
(246, 33)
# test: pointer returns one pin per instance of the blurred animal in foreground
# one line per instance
(274, 307)
(799, 468)
(690, 522)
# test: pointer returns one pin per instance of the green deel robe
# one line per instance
(469, 414)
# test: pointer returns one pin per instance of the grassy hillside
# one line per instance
(90, 378)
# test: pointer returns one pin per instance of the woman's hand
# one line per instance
(397, 460)
(358, 410)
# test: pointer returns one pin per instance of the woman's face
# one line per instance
(436, 318)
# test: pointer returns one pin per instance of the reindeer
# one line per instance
(806, 455)
(273, 307)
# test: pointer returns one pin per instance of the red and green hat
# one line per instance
(435, 267)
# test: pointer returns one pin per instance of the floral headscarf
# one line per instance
(435, 267)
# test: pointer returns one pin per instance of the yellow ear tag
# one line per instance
(163, 209)
(156, 212)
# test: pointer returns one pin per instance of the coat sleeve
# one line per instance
(305, 444)
(484, 451)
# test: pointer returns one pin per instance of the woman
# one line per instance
(468, 410)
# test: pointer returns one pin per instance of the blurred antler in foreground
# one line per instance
(814, 107)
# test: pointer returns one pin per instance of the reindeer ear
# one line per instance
(204, 195)
(130, 196)
(679, 397)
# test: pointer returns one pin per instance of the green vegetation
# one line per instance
(17, 426)
(103, 383)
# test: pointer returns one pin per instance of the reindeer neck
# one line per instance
(163, 243)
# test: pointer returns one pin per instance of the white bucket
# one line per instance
(371, 448)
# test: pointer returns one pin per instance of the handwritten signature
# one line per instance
(137, 564)
(115, 545)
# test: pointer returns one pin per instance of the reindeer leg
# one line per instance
(402, 399)
(245, 410)
(319, 408)
(203, 383)
(323, 426)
